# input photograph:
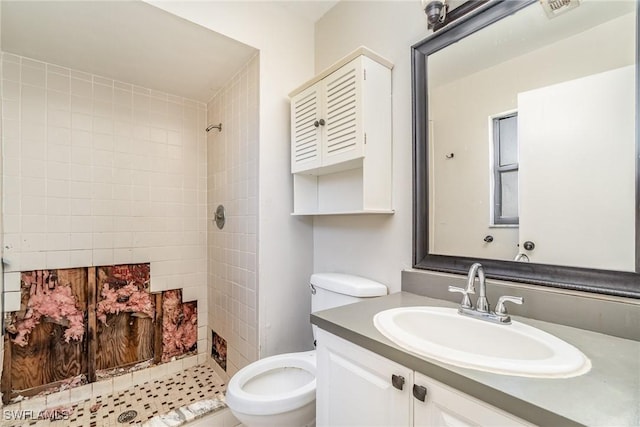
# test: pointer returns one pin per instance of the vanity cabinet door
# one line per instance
(356, 387)
(447, 407)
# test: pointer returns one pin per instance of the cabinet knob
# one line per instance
(419, 392)
(318, 123)
(397, 381)
(529, 245)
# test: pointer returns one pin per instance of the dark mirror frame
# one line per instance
(626, 284)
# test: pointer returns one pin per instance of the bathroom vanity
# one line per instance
(365, 379)
(355, 389)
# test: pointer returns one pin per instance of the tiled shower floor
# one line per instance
(149, 400)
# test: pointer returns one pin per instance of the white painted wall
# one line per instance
(377, 246)
(285, 257)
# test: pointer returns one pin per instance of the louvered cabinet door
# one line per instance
(305, 129)
(343, 130)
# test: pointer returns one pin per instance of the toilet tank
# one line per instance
(329, 290)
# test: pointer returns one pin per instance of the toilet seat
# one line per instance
(247, 402)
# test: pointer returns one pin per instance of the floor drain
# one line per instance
(127, 416)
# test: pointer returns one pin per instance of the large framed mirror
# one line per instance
(526, 145)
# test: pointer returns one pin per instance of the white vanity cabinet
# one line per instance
(445, 406)
(356, 387)
(341, 138)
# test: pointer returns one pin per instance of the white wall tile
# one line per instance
(79, 393)
(231, 179)
(11, 301)
(191, 293)
(33, 76)
(57, 81)
(122, 382)
(58, 259)
(10, 70)
(103, 256)
(58, 399)
(81, 87)
(123, 256)
(12, 262)
(31, 261)
(80, 258)
(36, 404)
(102, 387)
(12, 282)
(81, 121)
(140, 377)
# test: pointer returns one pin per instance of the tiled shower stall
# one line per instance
(99, 172)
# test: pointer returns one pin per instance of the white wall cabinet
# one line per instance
(341, 138)
(355, 387)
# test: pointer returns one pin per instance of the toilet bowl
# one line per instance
(275, 391)
(281, 390)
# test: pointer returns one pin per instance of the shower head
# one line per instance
(218, 126)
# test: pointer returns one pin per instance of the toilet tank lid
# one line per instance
(348, 284)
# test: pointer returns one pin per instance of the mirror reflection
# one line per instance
(532, 139)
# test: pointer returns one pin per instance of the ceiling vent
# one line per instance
(554, 8)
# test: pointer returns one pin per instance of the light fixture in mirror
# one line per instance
(526, 144)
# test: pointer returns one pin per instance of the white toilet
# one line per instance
(281, 390)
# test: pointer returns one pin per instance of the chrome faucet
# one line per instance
(482, 305)
(482, 309)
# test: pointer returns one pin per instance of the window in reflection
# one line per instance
(505, 169)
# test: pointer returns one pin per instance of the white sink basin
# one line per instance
(516, 349)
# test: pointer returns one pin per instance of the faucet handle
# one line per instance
(466, 301)
(501, 310)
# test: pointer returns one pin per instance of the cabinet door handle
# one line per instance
(419, 392)
(319, 123)
(397, 381)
